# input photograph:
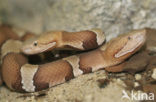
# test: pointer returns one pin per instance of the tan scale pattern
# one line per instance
(53, 73)
(80, 40)
(100, 36)
(92, 60)
(74, 61)
(11, 70)
(27, 73)
(11, 46)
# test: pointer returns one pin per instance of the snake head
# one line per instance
(125, 45)
(39, 44)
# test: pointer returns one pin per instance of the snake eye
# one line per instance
(35, 43)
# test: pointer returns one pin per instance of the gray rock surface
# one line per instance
(113, 16)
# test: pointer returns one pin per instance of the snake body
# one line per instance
(21, 76)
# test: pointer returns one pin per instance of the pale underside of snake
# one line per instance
(21, 76)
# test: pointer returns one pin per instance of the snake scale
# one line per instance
(21, 76)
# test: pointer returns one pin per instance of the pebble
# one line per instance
(138, 76)
(154, 74)
(136, 84)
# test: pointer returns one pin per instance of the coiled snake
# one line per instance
(21, 76)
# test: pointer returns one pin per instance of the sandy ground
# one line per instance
(85, 88)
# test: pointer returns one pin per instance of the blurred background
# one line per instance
(113, 16)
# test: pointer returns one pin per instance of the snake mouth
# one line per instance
(30, 50)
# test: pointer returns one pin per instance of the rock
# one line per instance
(79, 14)
(154, 74)
(137, 76)
(136, 84)
(102, 83)
(136, 63)
(129, 84)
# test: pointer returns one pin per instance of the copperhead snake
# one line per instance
(21, 76)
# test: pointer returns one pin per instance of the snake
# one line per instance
(21, 76)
